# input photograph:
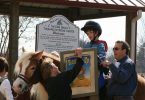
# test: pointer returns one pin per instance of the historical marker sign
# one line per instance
(57, 34)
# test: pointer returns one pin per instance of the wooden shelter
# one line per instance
(73, 10)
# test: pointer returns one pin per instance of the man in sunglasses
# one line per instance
(123, 82)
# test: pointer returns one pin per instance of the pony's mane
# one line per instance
(23, 59)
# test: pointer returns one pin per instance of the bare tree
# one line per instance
(140, 64)
(4, 30)
(25, 24)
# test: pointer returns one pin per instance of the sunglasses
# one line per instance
(115, 49)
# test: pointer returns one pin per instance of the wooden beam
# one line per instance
(42, 12)
(101, 15)
(71, 12)
(4, 1)
(4, 9)
(13, 36)
(129, 19)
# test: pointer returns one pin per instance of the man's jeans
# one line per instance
(121, 98)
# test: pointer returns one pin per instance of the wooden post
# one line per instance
(129, 18)
(13, 36)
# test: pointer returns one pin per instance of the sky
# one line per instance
(113, 28)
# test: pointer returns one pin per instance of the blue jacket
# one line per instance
(124, 78)
(100, 47)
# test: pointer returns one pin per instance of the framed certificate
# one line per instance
(86, 83)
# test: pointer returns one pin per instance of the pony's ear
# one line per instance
(38, 55)
(23, 49)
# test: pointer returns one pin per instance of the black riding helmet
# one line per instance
(92, 25)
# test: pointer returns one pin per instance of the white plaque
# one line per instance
(57, 34)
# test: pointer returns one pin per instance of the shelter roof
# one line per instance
(106, 4)
(78, 9)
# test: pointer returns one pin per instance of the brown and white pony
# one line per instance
(32, 70)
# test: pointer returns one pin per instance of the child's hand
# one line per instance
(78, 52)
(105, 63)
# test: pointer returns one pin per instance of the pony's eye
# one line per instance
(33, 68)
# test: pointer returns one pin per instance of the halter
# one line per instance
(23, 78)
(26, 81)
(28, 86)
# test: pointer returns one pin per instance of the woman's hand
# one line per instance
(78, 52)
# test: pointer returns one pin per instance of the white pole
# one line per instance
(133, 36)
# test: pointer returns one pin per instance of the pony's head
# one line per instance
(33, 67)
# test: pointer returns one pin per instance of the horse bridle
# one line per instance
(23, 78)
(26, 81)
